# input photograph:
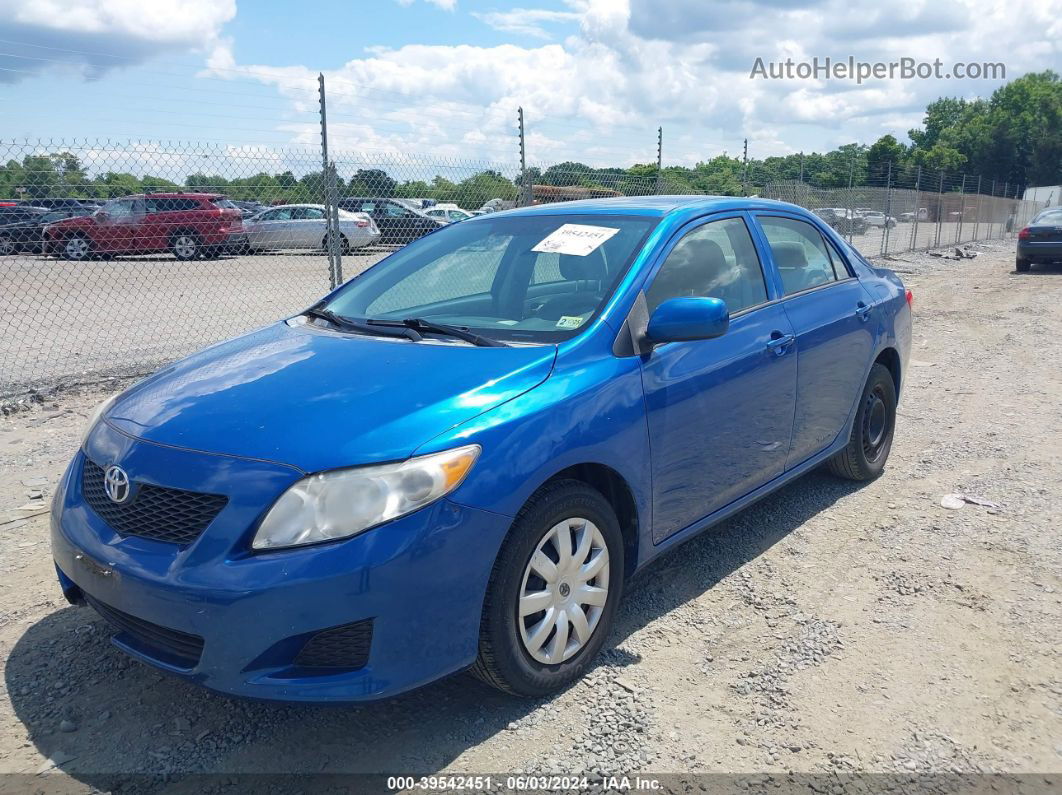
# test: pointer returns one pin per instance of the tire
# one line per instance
(76, 248)
(565, 508)
(1022, 265)
(344, 244)
(872, 432)
(185, 245)
(7, 246)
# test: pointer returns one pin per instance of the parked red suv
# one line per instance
(191, 225)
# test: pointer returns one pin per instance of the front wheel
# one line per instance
(875, 422)
(7, 246)
(553, 592)
(76, 248)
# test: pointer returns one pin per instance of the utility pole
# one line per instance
(525, 189)
(801, 166)
(331, 225)
(659, 158)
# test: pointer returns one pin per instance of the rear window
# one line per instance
(168, 204)
(224, 204)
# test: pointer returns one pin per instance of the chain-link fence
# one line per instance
(116, 258)
(910, 209)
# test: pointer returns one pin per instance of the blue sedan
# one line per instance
(458, 459)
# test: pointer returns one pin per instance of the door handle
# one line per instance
(863, 311)
(779, 342)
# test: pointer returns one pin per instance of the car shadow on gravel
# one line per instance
(111, 722)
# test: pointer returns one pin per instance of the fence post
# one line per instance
(527, 193)
(329, 228)
(745, 169)
(659, 158)
(850, 219)
(888, 207)
(940, 209)
(1003, 224)
(335, 239)
(977, 218)
(918, 201)
(962, 209)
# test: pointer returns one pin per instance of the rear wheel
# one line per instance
(185, 245)
(872, 432)
(344, 244)
(7, 246)
(553, 592)
(76, 248)
(1022, 265)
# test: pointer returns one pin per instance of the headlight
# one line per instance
(95, 416)
(346, 502)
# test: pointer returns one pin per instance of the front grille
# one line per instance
(154, 512)
(168, 645)
(346, 647)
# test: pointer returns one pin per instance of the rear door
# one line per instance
(720, 411)
(830, 312)
(308, 226)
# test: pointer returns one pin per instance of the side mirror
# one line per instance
(682, 319)
(101, 216)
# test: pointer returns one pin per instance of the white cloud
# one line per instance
(93, 36)
(626, 66)
(526, 21)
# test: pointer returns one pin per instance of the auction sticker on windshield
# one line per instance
(577, 239)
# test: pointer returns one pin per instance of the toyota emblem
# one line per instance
(116, 484)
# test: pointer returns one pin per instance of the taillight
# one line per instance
(1023, 234)
(910, 299)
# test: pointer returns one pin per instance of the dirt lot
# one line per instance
(829, 629)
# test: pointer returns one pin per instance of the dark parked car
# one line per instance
(28, 235)
(60, 204)
(397, 222)
(843, 220)
(16, 214)
(190, 225)
(1041, 240)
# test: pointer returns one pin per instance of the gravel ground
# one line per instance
(830, 629)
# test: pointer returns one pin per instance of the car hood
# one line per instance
(318, 400)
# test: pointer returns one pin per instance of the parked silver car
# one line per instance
(303, 226)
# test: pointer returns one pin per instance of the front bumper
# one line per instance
(419, 579)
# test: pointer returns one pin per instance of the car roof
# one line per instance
(176, 195)
(651, 206)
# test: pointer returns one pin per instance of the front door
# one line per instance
(831, 313)
(720, 411)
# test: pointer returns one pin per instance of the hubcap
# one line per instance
(564, 591)
(76, 247)
(875, 425)
(7, 246)
(184, 246)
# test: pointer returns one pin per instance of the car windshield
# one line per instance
(530, 278)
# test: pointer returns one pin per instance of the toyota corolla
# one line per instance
(457, 459)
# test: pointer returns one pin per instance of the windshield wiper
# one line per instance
(339, 321)
(422, 325)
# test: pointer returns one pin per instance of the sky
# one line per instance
(438, 82)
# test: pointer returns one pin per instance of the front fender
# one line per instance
(587, 411)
